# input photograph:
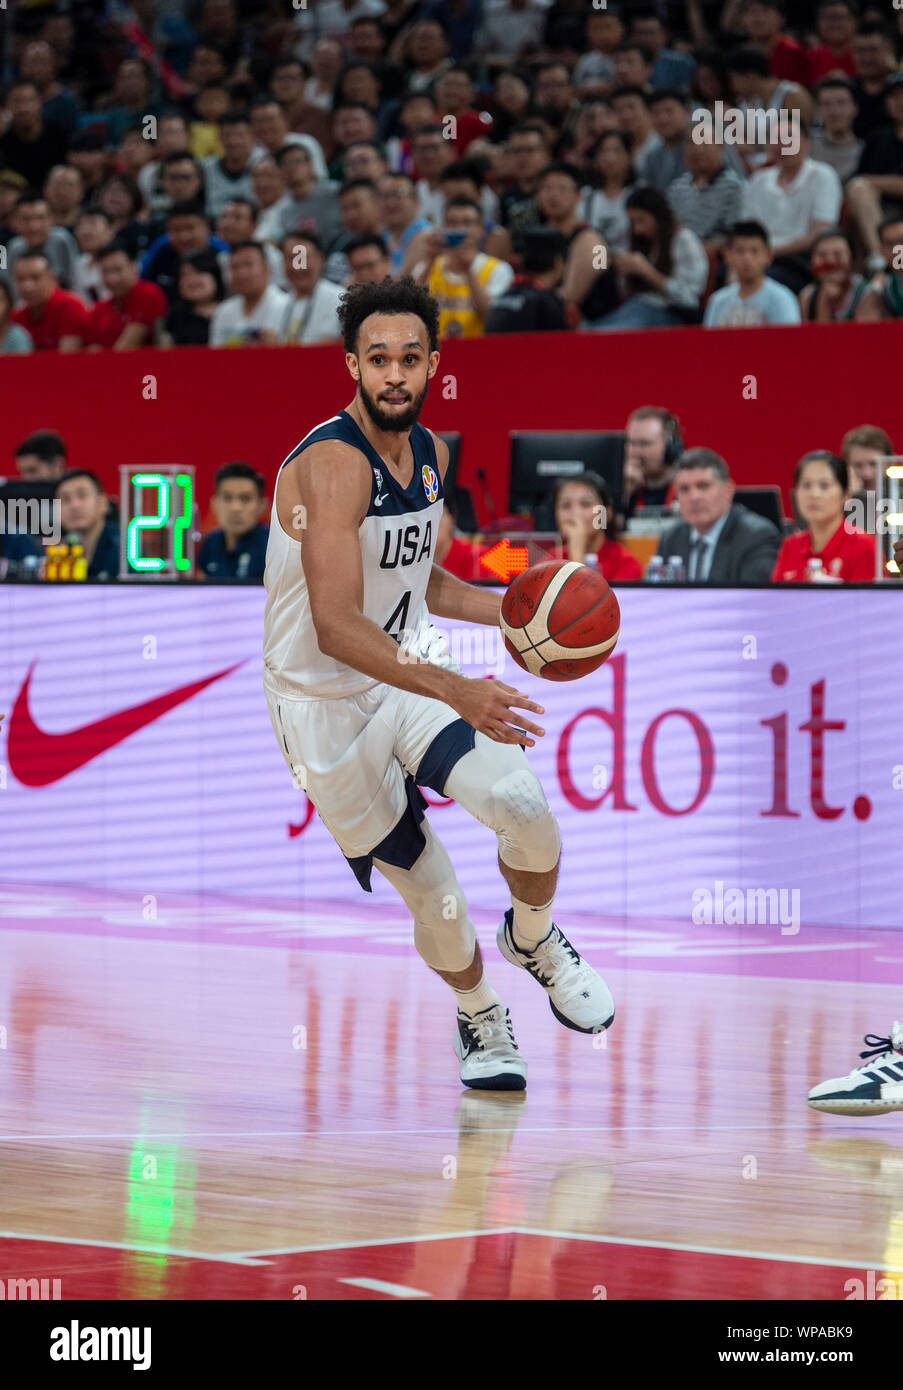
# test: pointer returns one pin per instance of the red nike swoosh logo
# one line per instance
(36, 758)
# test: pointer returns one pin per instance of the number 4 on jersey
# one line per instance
(399, 615)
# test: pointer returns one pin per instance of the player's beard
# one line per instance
(392, 424)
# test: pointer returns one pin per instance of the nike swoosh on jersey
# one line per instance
(37, 758)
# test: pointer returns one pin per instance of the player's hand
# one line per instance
(488, 705)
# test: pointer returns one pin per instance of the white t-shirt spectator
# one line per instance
(507, 31)
(330, 19)
(232, 325)
(314, 319)
(815, 195)
(773, 303)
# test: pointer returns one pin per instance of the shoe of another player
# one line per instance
(874, 1089)
(489, 1056)
(578, 997)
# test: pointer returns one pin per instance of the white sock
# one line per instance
(531, 924)
(474, 1001)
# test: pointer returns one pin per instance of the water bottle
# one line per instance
(677, 570)
(655, 571)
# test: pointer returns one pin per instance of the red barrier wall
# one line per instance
(810, 385)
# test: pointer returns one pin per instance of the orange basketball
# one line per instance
(560, 620)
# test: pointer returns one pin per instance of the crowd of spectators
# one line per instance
(215, 171)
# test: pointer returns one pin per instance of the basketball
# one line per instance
(560, 620)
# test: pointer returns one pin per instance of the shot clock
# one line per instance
(157, 521)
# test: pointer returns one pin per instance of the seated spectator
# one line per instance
(432, 153)
(237, 550)
(465, 179)
(528, 149)
(588, 287)
(530, 303)
(172, 138)
(130, 316)
(131, 99)
(210, 104)
(182, 181)
(200, 290)
(311, 312)
(464, 280)
(83, 511)
(326, 60)
(756, 90)
(425, 50)
(863, 450)
(633, 65)
(719, 540)
(664, 273)
(54, 318)
(877, 191)
(794, 200)
(287, 79)
(834, 142)
(64, 193)
(763, 23)
(30, 144)
(187, 229)
(13, 337)
(835, 21)
(605, 205)
(272, 130)
(401, 222)
(510, 29)
(416, 109)
(34, 233)
(634, 117)
(585, 518)
(669, 68)
(230, 177)
(365, 159)
(87, 153)
(835, 296)
(453, 552)
(254, 311)
(368, 259)
(652, 444)
(602, 36)
(707, 197)
(270, 197)
(671, 121)
(236, 224)
(595, 119)
(12, 187)
(93, 231)
(351, 122)
(454, 94)
(39, 64)
(120, 199)
(310, 203)
(883, 298)
(752, 299)
(821, 488)
(874, 61)
(41, 457)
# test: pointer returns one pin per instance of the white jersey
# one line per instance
(398, 540)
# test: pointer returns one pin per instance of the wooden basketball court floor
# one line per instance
(257, 1100)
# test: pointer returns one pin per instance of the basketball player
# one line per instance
(366, 705)
(877, 1087)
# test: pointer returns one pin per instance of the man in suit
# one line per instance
(719, 541)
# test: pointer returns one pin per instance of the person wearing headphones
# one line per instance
(652, 445)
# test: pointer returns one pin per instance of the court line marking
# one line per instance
(142, 1246)
(380, 1286)
(391, 1133)
(826, 1262)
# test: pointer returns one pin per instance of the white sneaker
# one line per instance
(489, 1056)
(874, 1089)
(578, 997)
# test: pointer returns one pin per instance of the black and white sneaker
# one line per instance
(578, 997)
(874, 1089)
(489, 1056)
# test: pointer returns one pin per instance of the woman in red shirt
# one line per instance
(584, 514)
(821, 482)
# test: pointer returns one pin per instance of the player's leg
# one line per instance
(495, 783)
(445, 939)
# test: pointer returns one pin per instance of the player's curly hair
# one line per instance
(387, 297)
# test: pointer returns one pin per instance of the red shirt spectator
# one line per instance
(790, 61)
(145, 303)
(62, 315)
(615, 561)
(462, 559)
(823, 60)
(849, 555)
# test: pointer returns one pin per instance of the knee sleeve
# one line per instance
(496, 784)
(443, 932)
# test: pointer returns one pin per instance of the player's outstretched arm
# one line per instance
(447, 596)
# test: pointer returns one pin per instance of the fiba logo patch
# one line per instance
(430, 482)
